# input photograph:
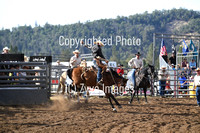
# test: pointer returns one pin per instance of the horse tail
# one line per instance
(69, 73)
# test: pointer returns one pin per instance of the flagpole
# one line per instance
(154, 42)
(198, 55)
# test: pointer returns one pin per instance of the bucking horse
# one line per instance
(88, 77)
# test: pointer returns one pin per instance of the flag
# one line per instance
(192, 47)
(163, 50)
(171, 73)
(185, 48)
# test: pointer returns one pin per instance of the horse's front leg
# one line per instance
(119, 105)
(109, 98)
(145, 94)
(132, 95)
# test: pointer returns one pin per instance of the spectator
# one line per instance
(197, 85)
(178, 67)
(58, 63)
(26, 59)
(192, 64)
(173, 67)
(24, 74)
(12, 67)
(120, 70)
(183, 82)
(5, 50)
(172, 59)
(168, 86)
(162, 77)
(185, 64)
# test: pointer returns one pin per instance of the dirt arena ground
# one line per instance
(163, 115)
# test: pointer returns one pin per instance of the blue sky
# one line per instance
(14, 13)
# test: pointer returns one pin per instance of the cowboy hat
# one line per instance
(99, 43)
(120, 65)
(138, 53)
(163, 67)
(198, 69)
(76, 51)
(6, 48)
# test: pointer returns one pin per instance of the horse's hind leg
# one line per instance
(59, 86)
(68, 92)
(145, 94)
(132, 95)
(63, 88)
(116, 101)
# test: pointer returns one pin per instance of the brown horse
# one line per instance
(81, 79)
(109, 79)
(89, 78)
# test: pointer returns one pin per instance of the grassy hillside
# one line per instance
(45, 40)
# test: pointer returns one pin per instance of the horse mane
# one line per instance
(144, 70)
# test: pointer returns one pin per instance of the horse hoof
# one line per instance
(114, 110)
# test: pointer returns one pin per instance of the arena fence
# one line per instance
(56, 72)
(24, 82)
(173, 88)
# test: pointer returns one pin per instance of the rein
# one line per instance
(112, 76)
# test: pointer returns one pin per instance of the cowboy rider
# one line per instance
(137, 64)
(98, 57)
(74, 62)
(76, 59)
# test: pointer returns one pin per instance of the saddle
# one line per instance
(138, 75)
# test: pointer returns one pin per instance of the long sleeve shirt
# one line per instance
(74, 61)
(96, 51)
(196, 80)
(163, 75)
(135, 63)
